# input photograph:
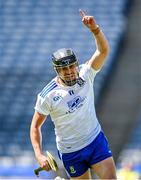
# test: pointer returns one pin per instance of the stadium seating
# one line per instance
(29, 32)
(130, 156)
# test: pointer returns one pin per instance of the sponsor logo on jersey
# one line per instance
(75, 103)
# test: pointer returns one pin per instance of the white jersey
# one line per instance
(72, 111)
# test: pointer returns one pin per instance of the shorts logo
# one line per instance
(72, 170)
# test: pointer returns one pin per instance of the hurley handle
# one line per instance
(36, 171)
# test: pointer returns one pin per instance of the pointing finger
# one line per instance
(82, 13)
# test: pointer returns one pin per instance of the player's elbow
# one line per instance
(105, 50)
(34, 128)
(104, 53)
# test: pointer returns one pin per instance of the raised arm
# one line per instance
(102, 48)
(36, 139)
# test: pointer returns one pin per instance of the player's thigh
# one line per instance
(86, 175)
(105, 169)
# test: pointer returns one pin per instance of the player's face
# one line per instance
(68, 73)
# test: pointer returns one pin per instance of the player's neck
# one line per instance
(60, 82)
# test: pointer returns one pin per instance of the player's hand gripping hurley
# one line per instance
(52, 163)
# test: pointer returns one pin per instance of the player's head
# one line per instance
(66, 66)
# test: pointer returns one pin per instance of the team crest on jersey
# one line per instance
(71, 92)
(76, 103)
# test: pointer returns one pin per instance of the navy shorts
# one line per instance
(78, 162)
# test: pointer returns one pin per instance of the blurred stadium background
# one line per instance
(30, 30)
